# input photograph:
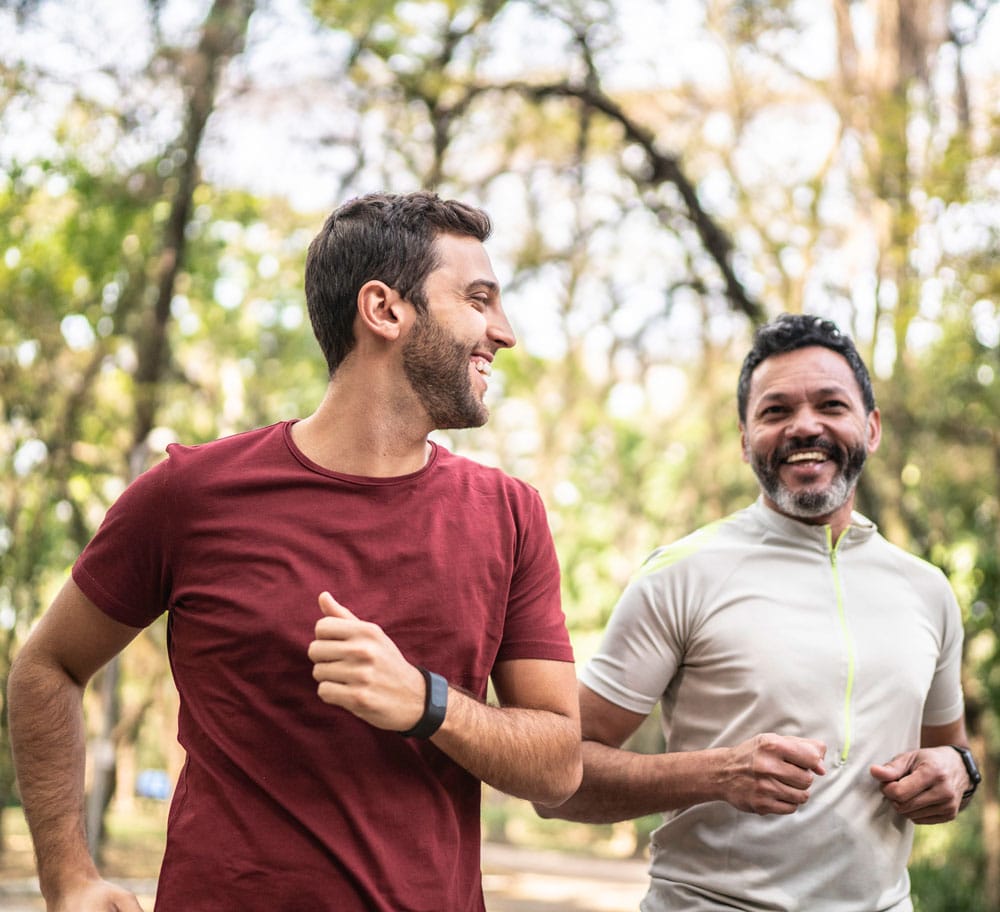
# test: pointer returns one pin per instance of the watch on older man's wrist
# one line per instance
(975, 777)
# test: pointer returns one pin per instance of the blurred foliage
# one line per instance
(626, 210)
(946, 868)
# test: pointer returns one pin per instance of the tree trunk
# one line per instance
(223, 37)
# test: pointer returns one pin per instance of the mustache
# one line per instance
(797, 444)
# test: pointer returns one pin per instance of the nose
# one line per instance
(499, 329)
(804, 422)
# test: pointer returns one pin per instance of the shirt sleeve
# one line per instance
(124, 568)
(945, 702)
(642, 645)
(535, 626)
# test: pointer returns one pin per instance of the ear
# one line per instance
(382, 311)
(743, 443)
(873, 431)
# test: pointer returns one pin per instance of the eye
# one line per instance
(834, 405)
(480, 301)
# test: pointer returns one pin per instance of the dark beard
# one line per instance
(810, 503)
(437, 367)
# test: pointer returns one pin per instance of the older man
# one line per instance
(808, 670)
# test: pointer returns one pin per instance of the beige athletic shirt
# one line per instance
(760, 623)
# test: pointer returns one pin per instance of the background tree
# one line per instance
(102, 246)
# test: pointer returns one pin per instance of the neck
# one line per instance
(359, 429)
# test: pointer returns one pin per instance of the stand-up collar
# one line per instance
(802, 533)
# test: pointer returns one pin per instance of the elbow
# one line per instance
(575, 778)
(563, 787)
(26, 677)
(558, 807)
(548, 808)
(545, 811)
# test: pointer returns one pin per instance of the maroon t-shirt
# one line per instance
(285, 803)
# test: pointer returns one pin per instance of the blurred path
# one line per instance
(530, 880)
(514, 880)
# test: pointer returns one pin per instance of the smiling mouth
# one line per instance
(806, 456)
(482, 366)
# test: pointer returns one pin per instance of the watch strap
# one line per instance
(975, 777)
(435, 705)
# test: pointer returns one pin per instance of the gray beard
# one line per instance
(810, 504)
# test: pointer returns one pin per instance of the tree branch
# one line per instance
(663, 168)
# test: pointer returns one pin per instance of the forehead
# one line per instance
(462, 259)
(805, 371)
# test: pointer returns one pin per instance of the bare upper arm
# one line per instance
(537, 684)
(939, 735)
(76, 636)
(604, 721)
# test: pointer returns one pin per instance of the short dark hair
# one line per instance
(789, 332)
(379, 236)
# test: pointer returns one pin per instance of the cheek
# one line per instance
(854, 434)
(476, 325)
(873, 435)
(759, 442)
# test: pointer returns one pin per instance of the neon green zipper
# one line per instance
(848, 642)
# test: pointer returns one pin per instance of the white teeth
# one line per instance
(484, 367)
(811, 455)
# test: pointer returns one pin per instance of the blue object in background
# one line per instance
(153, 783)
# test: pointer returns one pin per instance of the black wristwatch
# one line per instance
(975, 777)
(435, 706)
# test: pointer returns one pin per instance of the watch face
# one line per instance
(975, 777)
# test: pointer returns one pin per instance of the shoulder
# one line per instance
(710, 548)
(244, 446)
(225, 456)
(194, 470)
(910, 580)
(477, 478)
(906, 563)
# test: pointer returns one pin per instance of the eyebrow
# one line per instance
(483, 285)
(834, 390)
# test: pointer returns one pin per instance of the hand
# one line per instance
(360, 669)
(95, 896)
(924, 785)
(771, 774)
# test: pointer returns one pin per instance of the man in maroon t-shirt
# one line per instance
(340, 590)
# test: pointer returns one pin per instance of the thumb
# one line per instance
(332, 608)
(818, 767)
(891, 771)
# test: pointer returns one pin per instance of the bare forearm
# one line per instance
(47, 737)
(621, 785)
(529, 753)
(766, 774)
(528, 747)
